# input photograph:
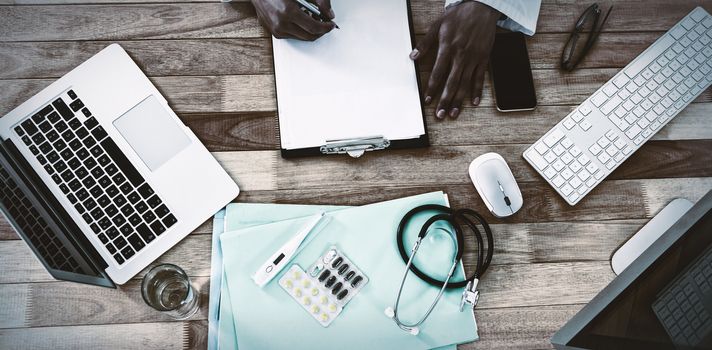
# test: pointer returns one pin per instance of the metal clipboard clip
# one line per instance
(355, 147)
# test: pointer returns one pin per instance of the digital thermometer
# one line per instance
(279, 260)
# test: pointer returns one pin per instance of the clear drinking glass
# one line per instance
(167, 288)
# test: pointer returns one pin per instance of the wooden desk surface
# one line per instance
(213, 63)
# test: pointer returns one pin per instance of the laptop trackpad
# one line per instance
(152, 133)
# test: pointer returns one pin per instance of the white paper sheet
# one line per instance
(357, 81)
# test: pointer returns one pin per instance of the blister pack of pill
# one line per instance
(330, 283)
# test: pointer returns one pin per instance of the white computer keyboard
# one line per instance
(586, 146)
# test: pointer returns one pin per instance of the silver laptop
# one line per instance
(100, 177)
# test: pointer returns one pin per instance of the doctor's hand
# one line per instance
(284, 19)
(461, 39)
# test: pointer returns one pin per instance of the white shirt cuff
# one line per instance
(521, 15)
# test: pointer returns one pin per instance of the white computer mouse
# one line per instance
(496, 185)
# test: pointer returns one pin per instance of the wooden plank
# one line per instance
(13, 306)
(130, 21)
(442, 166)
(611, 200)
(158, 336)
(482, 126)
(237, 20)
(254, 56)
(155, 57)
(256, 93)
(520, 243)
(520, 328)
(507, 328)
(503, 286)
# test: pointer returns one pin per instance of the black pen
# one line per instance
(314, 11)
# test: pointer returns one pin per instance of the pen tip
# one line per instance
(336, 26)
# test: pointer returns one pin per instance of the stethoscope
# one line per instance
(470, 294)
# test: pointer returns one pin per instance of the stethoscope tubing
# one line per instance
(453, 217)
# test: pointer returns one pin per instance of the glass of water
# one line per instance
(167, 288)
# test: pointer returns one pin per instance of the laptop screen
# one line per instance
(669, 306)
(36, 217)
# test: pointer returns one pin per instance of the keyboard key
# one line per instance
(119, 200)
(598, 99)
(567, 174)
(141, 207)
(603, 142)
(62, 108)
(89, 142)
(550, 157)
(90, 163)
(134, 219)
(558, 181)
(541, 148)
(149, 216)
(569, 123)
(154, 201)
(609, 90)
(105, 181)
(136, 242)
(76, 105)
(103, 160)
(128, 252)
(127, 210)
(99, 133)
(111, 210)
(123, 163)
(97, 213)
(558, 150)
(558, 165)
(585, 125)
(157, 227)
(549, 173)
(554, 136)
(620, 81)
(133, 197)
(119, 178)
(567, 189)
(145, 233)
(126, 188)
(120, 242)
(603, 158)
(169, 220)
(583, 159)
(595, 149)
(567, 158)
(161, 211)
(86, 112)
(633, 132)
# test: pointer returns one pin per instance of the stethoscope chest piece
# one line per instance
(470, 295)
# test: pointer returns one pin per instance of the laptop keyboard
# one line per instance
(104, 187)
(48, 245)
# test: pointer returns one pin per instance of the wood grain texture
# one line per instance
(445, 165)
(181, 57)
(153, 336)
(481, 125)
(213, 63)
(508, 328)
(237, 20)
(542, 284)
(256, 93)
(522, 243)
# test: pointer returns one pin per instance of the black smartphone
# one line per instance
(511, 73)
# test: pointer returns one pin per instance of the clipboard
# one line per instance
(353, 104)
